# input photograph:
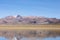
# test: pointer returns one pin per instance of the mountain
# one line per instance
(28, 20)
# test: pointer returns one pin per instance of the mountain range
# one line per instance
(28, 20)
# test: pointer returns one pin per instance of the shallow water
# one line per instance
(49, 38)
(52, 38)
(3, 38)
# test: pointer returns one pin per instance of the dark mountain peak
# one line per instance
(19, 17)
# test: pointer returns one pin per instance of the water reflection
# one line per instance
(24, 38)
(3, 38)
(50, 38)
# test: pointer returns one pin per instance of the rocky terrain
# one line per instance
(28, 20)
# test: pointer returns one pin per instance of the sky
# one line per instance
(46, 8)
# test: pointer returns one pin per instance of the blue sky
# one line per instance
(47, 8)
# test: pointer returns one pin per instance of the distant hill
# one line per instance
(28, 20)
